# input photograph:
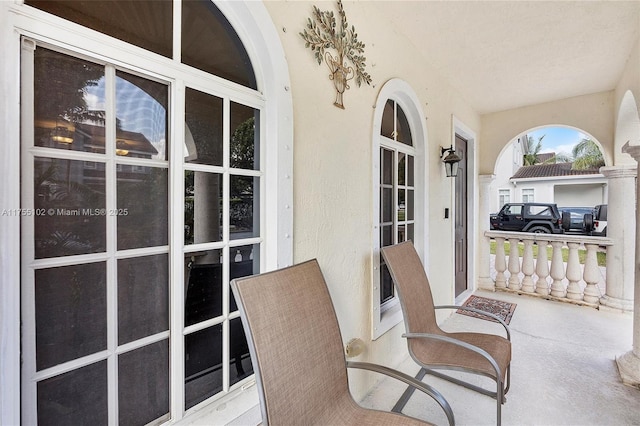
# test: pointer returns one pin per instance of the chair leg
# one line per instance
(501, 390)
(499, 401)
(407, 393)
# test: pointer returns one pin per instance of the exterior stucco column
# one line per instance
(484, 254)
(629, 363)
(620, 255)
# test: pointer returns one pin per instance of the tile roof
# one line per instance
(551, 170)
(546, 156)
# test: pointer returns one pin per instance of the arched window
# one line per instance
(399, 183)
(147, 179)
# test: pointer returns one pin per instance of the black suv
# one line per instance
(542, 218)
(596, 223)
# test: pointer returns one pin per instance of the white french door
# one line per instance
(142, 200)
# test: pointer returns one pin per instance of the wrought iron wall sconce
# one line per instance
(450, 161)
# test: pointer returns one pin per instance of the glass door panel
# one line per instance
(245, 143)
(90, 203)
(143, 303)
(244, 207)
(69, 201)
(203, 128)
(141, 123)
(142, 210)
(71, 313)
(202, 207)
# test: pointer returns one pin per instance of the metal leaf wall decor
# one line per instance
(322, 34)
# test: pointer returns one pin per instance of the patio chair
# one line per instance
(297, 353)
(434, 349)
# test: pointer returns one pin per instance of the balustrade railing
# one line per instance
(553, 279)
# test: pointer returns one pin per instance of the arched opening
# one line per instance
(627, 128)
(550, 164)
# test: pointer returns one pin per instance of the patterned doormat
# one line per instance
(504, 310)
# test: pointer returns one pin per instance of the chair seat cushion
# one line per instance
(447, 355)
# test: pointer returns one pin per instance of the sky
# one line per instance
(557, 139)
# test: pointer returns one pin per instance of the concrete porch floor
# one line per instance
(563, 370)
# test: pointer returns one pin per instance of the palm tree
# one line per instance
(587, 155)
(531, 156)
(532, 151)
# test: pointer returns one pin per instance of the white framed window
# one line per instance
(527, 195)
(504, 197)
(399, 191)
(106, 282)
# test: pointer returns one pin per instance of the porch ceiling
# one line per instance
(506, 54)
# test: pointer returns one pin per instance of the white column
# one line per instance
(484, 252)
(629, 363)
(621, 255)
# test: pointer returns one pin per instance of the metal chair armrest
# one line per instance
(398, 375)
(479, 311)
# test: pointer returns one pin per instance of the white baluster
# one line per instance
(557, 270)
(500, 263)
(514, 264)
(542, 268)
(574, 292)
(527, 267)
(591, 274)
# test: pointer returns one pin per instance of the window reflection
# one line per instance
(244, 139)
(244, 207)
(203, 281)
(141, 123)
(245, 261)
(203, 128)
(403, 130)
(387, 129)
(70, 207)
(202, 207)
(142, 211)
(69, 102)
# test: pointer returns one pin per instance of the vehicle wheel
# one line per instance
(539, 230)
(566, 220)
(588, 223)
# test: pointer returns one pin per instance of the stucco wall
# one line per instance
(333, 173)
(592, 114)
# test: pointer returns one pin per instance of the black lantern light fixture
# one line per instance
(450, 161)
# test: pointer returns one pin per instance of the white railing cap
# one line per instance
(565, 238)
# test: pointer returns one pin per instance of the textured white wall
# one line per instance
(332, 166)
